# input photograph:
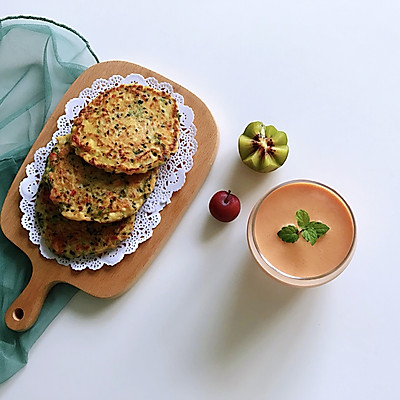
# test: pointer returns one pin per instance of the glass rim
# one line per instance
(292, 279)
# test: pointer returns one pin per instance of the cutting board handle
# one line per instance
(25, 309)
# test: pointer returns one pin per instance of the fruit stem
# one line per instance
(227, 196)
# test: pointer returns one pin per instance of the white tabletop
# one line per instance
(204, 322)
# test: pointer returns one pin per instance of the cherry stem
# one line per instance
(227, 196)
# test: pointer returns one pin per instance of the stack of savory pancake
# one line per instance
(97, 177)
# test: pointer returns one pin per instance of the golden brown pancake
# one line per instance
(128, 129)
(77, 238)
(86, 193)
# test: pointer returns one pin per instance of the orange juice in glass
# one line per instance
(300, 263)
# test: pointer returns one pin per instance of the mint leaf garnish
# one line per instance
(319, 227)
(303, 219)
(289, 234)
(310, 230)
(309, 234)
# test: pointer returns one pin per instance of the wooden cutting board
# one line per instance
(108, 281)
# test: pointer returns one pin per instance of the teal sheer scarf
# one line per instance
(39, 60)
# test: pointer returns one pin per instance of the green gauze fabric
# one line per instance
(39, 60)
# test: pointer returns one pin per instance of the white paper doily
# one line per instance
(170, 179)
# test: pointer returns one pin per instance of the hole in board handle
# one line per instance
(18, 314)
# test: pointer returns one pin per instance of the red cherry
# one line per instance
(224, 206)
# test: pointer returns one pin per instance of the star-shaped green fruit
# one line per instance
(262, 147)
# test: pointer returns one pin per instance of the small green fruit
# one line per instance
(263, 148)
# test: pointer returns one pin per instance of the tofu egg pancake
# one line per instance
(128, 129)
(72, 239)
(86, 193)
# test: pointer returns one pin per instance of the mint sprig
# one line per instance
(311, 231)
(303, 219)
(289, 234)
